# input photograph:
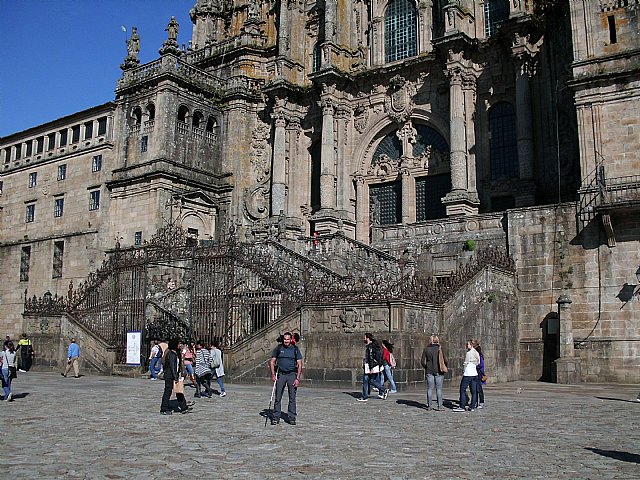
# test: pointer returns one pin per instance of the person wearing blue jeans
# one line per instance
(8, 357)
(435, 366)
(372, 368)
(469, 379)
(387, 350)
(155, 360)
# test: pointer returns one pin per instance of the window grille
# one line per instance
(400, 36)
(503, 143)
(94, 200)
(495, 12)
(58, 208)
(144, 142)
(385, 203)
(137, 239)
(33, 179)
(25, 261)
(429, 193)
(30, 215)
(58, 259)
(62, 172)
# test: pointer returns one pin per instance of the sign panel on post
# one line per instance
(134, 342)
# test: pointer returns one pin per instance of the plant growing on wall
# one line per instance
(469, 246)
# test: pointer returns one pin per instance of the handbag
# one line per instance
(13, 372)
(441, 365)
(484, 378)
(178, 387)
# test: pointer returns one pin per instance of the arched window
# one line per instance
(389, 146)
(198, 119)
(317, 58)
(495, 12)
(503, 143)
(400, 38)
(182, 114)
(428, 136)
(211, 124)
(151, 111)
(137, 116)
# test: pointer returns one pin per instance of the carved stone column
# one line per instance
(279, 159)
(299, 172)
(377, 27)
(330, 14)
(327, 155)
(524, 53)
(284, 28)
(408, 183)
(362, 211)
(342, 115)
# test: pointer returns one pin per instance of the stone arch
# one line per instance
(198, 119)
(136, 115)
(183, 113)
(212, 124)
(150, 110)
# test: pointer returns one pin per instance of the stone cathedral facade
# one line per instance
(409, 125)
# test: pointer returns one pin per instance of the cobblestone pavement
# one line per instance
(110, 427)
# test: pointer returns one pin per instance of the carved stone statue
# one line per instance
(172, 30)
(133, 44)
(253, 10)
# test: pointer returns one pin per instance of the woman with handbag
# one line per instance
(372, 368)
(435, 367)
(482, 378)
(8, 360)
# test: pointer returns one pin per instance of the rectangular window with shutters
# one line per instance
(58, 208)
(30, 214)
(385, 203)
(25, 263)
(94, 200)
(58, 258)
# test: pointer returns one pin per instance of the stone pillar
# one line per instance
(457, 132)
(343, 181)
(278, 166)
(327, 155)
(377, 27)
(299, 173)
(284, 29)
(362, 211)
(408, 196)
(330, 13)
(567, 366)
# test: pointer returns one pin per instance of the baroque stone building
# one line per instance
(412, 126)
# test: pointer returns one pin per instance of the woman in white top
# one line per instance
(469, 379)
(8, 359)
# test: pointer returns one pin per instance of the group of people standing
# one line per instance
(177, 361)
(14, 359)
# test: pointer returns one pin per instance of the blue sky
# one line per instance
(63, 56)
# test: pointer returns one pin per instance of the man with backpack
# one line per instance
(155, 360)
(288, 360)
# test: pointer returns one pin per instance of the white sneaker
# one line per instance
(458, 409)
(21, 370)
(362, 399)
(481, 405)
(393, 391)
(223, 394)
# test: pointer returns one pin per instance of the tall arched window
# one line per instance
(317, 58)
(151, 111)
(400, 37)
(495, 12)
(211, 124)
(182, 113)
(503, 143)
(198, 119)
(137, 116)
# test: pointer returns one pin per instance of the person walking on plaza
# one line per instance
(25, 347)
(482, 379)
(203, 370)
(217, 366)
(372, 367)
(155, 361)
(73, 354)
(188, 356)
(388, 362)
(8, 359)
(172, 379)
(469, 379)
(435, 366)
(288, 360)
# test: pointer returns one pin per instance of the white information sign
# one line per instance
(134, 342)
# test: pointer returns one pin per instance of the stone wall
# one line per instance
(51, 336)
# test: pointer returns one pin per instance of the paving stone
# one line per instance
(110, 427)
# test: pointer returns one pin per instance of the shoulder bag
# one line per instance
(441, 365)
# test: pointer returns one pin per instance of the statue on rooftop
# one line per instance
(133, 44)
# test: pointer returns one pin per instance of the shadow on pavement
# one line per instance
(617, 399)
(624, 456)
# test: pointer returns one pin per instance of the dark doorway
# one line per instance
(551, 346)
